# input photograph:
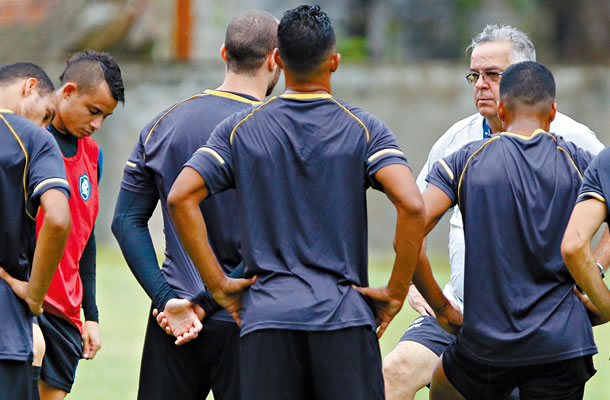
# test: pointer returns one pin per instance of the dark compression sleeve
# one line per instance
(205, 299)
(130, 227)
(87, 270)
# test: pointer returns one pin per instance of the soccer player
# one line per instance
(33, 175)
(301, 164)
(209, 361)
(523, 325)
(589, 213)
(409, 366)
(91, 87)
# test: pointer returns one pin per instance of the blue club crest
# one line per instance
(84, 186)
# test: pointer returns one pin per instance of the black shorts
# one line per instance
(190, 371)
(64, 348)
(559, 380)
(15, 380)
(426, 331)
(343, 364)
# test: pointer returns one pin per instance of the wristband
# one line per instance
(601, 270)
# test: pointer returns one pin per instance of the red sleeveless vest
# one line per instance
(65, 294)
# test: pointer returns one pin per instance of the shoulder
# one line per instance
(460, 133)
(576, 132)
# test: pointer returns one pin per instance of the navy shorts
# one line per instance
(190, 371)
(64, 348)
(559, 380)
(15, 380)
(426, 331)
(344, 364)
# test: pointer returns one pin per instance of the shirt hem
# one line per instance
(296, 326)
(545, 359)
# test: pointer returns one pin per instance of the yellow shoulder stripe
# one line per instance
(383, 153)
(170, 110)
(571, 160)
(592, 194)
(25, 168)
(468, 162)
(353, 116)
(6, 111)
(131, 164)
(248, 116)
(212, 152)
(446, 167)
(231, 96)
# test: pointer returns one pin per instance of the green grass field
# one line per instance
(123, 311)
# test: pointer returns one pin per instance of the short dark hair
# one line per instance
(305, 37)
(527, 83)
(250, 37)
(89, 67)
(25, 70)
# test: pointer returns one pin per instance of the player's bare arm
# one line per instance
(49, 250)
(183, 204)
(585, 220)
(399, 185)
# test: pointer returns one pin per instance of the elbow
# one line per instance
(115, 226)
(413, 209)
(175, 200)
(572, 248)
(58, 220)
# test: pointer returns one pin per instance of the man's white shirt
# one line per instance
(468, 130)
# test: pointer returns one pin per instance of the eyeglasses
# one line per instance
(490, 76)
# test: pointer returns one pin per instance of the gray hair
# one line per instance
(522, 48)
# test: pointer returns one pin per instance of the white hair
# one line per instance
(522, 48)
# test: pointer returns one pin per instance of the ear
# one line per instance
(223, 53)
(277, 58)
(68, 90)
(553, 112)
(29, 86)
(271, 64)
(335, 59)
(501, 111)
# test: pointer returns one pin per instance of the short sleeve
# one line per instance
(382, 149)
(593, 181)
(445, 174)
(46, 167)
(136, 176)
(214, 161)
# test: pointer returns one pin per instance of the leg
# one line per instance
(407, 369)
(346, 364)
(39, 350)
(440, 387)
(222, 337)
(168, 371)
(63, 351)
(274, 365)
(15, 379)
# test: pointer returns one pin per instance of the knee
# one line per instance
(39, 345)
(397, 364)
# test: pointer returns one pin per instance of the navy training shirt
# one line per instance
(164, 145)
(596, 182)
(516, 195)
(31, 164)
(301, 164)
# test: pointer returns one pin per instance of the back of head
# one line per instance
(305, 37)
(24, 70)
(249, 39)
(528, 85)
(88, 68)
(522, 48)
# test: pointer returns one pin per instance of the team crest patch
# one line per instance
(84, 186)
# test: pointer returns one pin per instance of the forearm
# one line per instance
(50, 244)
(427, 285)
(87, 271)
(601, 254)
(582, 266)
(130, 227)
(205, 299)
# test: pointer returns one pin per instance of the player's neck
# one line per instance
(525, 126)
(250, 85)
(9, 100)
(317, 84)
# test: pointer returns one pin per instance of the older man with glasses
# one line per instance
(409, 367)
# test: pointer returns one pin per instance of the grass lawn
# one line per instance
(123, 311)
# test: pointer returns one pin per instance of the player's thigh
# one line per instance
(48, 392)
(408, 368)
(346, 364)
(39, 345)
(561, 380)
(220, 358)
(168, 371)
(15, 379)
(274, 365)
(63, 351)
